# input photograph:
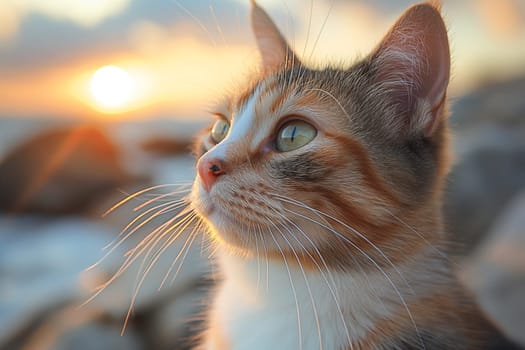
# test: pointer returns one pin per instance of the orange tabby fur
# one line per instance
(362, 199)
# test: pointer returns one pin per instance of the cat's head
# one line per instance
(333, 160)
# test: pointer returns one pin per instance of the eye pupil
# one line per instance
(293, 133)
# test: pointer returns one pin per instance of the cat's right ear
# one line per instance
(275, 51)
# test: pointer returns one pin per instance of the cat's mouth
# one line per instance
(228, 219)
(233, 214)
(208, 206)
(248, 221)
(201, 201)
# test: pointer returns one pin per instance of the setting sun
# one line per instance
(112, 87)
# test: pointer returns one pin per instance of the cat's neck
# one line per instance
(259, 275)
(348, 304)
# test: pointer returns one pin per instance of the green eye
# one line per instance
(219, 130)
(294, 134)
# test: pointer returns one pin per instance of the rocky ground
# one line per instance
(50, 236)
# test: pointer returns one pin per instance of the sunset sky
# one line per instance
(176, 57)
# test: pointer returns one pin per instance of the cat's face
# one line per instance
(307, 161)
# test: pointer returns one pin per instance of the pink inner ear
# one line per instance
(414, 61)
(437, 59)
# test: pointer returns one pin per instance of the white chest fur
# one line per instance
(276, 306)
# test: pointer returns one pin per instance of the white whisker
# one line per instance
(437, 250)
(321, 29)
(257, 256)
(329, 285)
(158, 197)
(114, 244)
(265, 258)
(360, 235)
(217, 26)
(154, 259)
(309, 28)
(293, 290)
(196, 20)
(136, 194)
(171, 233)
(314, 308)
(186, 247)
(161, 209)
(382, 271)
(131, 257)
(194, 233)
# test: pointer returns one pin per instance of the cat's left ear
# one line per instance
(275, 51)
(413, 64)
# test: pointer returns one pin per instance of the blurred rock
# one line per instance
(496, 271)
(40, 263)
(489, 141)
(99, 336)
(166, 146)
(174, 325)
(149, 281)
(77, 328)
(43, 264)
(499, 103)
(15, 129)
(60, 171)
(479, 188)
(43, 258)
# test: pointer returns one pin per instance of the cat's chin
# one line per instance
(217, 219)
(216, 216)
(225, 228)
(201, 201)
(228, 228)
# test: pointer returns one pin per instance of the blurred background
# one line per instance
(100, 99)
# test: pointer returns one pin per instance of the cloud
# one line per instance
(48, 36)
(85, 13)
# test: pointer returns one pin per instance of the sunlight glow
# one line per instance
(112, 87)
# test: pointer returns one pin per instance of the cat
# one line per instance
(321, 189)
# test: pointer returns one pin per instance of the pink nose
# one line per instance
(209, 170)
